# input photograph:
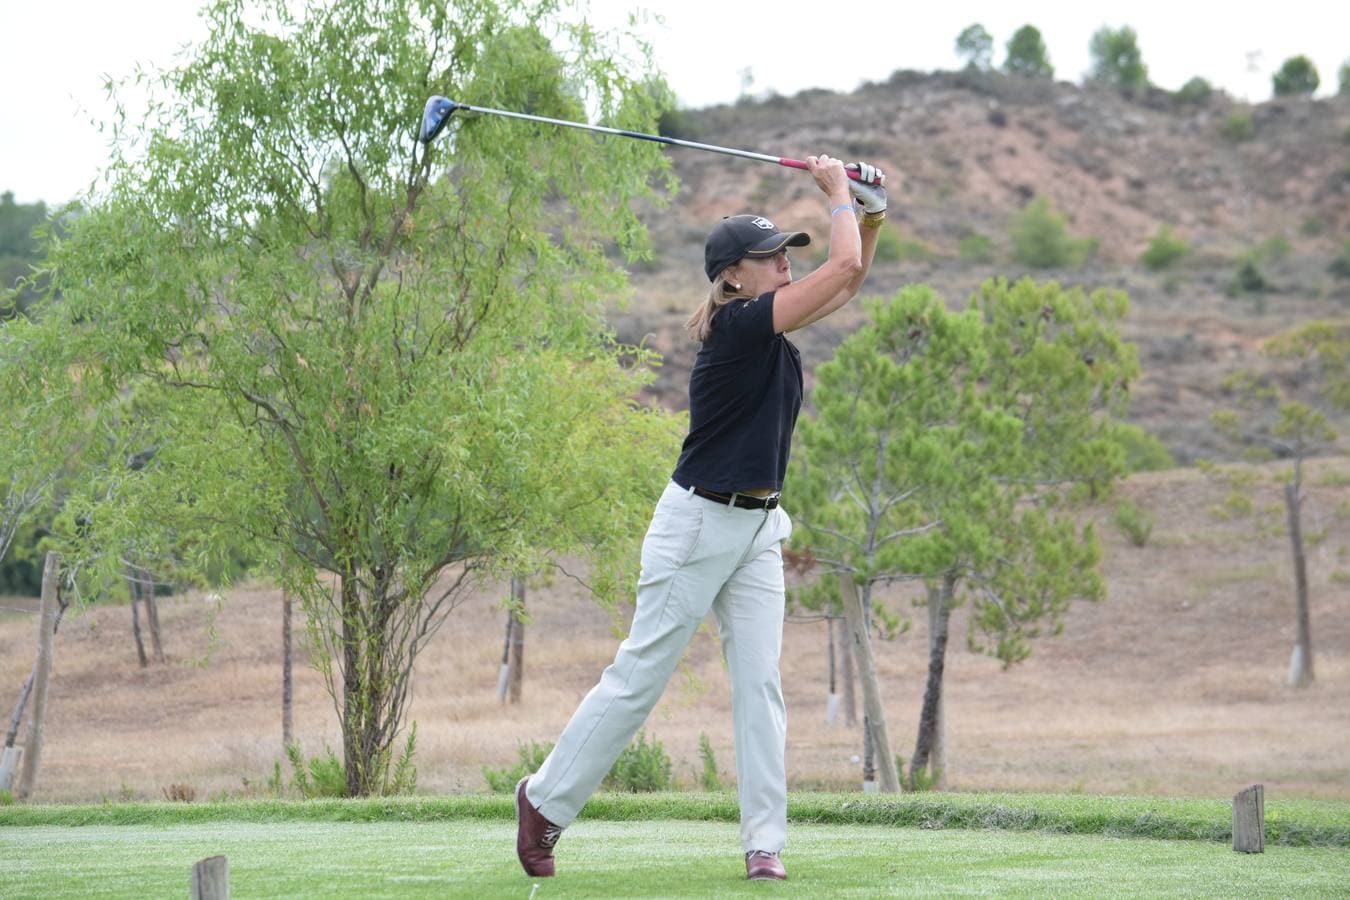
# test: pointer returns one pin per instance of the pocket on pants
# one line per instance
(674, 532)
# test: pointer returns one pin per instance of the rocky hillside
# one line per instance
(967, 151)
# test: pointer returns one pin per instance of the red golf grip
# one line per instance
(801, 164)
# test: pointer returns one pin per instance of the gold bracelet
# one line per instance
(872, 220)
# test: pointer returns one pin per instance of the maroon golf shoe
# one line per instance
(764, 865)
(535, 836)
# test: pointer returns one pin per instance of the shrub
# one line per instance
(641, 767)
(179, 793)
(531, 757)
(1272, 249)
(892, 247)
(976, 248)
(1249, 279)
(679, 124)
(1041, 239)
(1196, 91)
(1136, 524)
(1117, 60)
(920, 781)
(1343, 79)
(1238, 127)
(1312, 226)
(275, 783)
(1296, 78)
(1143, 451)
(888, 245)
(322, 776)
(1340, 266)
(1165, 249)
(1027, 57)
(710, 779)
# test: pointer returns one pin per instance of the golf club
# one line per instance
(436, 115)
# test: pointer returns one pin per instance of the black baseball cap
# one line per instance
(736, 237)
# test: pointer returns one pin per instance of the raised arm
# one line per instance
(799, 303)
(870, 192)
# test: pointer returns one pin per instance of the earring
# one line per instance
(735, 287)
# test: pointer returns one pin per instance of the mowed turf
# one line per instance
(466, 858)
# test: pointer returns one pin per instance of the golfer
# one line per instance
(715, 540)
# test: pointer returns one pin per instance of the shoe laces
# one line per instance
(765, 853)
(550, 836)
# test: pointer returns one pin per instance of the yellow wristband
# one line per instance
(873, 220)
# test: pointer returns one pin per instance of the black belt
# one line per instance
(743, 501)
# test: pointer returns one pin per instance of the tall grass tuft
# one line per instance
(641, 767)
(711, 781)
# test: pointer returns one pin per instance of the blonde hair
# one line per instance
(699, 325)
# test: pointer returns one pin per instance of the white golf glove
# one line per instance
(870, 187)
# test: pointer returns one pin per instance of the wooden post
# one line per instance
(9, 761)
(287, 684)
(211, 879)
(32, 750)
(874, 717)
(1249, 820)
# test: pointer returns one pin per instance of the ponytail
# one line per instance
(699, 324)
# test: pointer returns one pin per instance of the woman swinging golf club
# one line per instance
(716, 537)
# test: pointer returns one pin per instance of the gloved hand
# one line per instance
(870, 187)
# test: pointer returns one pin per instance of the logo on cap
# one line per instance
(761, 222)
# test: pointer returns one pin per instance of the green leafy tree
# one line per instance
(874, 442)
(1058, 370)
(1041, 238)
(1272, 421)
(944, 448)
(1027, 56)
(21, 225)
(44, 438)
(1297, 77)
(382, 366)
(1117, 60)
(976, 47)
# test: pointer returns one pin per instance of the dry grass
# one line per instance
(1174, 685)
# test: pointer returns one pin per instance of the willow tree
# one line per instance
(381, 367)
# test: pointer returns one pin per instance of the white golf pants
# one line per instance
(697, 555)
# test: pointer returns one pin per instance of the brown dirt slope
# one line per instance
(1173, 685)
(967, 151)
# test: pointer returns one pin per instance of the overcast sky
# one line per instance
(58, 53)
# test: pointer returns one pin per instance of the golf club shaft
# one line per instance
(673, 142)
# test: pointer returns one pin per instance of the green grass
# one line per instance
(672, 858)
(1290, 822)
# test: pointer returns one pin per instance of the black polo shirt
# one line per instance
(744, 395)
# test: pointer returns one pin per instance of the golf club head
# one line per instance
(435, 115)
